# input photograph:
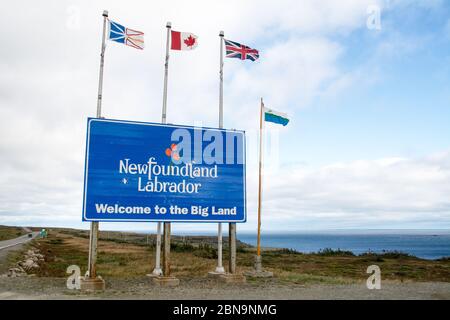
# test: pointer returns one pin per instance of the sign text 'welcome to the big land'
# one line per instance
(137, 171)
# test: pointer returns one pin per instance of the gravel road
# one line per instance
(54, 288)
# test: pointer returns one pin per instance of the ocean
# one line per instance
(426, 245)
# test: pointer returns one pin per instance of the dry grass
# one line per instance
(119, 258)
(393, 267)
(7, 233)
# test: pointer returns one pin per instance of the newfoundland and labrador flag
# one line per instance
(124, 35)
(240, 51)
(275, 116)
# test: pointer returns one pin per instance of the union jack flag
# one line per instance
(237, 50)
(127, 36)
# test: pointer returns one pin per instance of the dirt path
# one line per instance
(54, 288)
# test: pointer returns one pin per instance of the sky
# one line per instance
(365, 83)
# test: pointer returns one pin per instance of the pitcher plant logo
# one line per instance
(172, 153)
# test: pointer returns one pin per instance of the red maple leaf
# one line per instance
(189, 41)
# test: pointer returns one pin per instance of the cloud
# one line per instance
(49, 76)
(427, 4)
(389, 192)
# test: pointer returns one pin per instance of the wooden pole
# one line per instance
(232, 247)
(166, 252)
(261, 133)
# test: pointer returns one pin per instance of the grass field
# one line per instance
(7, 233)
(127, 255)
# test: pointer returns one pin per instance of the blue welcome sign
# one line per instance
(136, 171)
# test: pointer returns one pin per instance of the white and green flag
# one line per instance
(275, 116)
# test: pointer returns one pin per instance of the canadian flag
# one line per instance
(183, 41)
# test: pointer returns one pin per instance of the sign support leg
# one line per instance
(232, 247)
(93, 240)
(166, 252)
(166, 280)
(157, 271)
(91, 281)
(219, 268)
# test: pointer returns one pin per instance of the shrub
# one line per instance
(288, 251)
(444, 259)
(55, 241)
(181, 247)
(388, 255)
(332, 252)
(206, 251)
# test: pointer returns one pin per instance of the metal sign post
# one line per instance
(157, 271)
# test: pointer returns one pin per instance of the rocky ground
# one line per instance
(37, 270)
(143, 288)
(20, 283)
(25, 267)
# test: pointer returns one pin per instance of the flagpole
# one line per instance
(166, 255)
(93, 236)
(221, 35)
(102, 63)
(261, 135)
(258, 261)
(219, 268)
(157, 271)
(166, 75)
(231, 236)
